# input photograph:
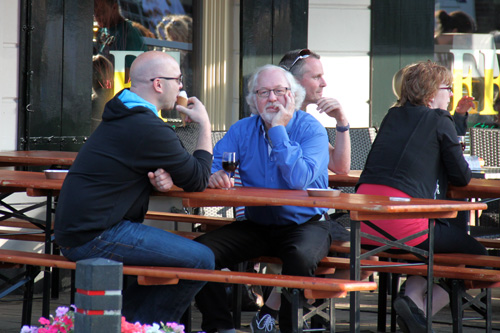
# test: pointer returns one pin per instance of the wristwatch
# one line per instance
(343, 128)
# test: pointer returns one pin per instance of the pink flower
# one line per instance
(44, 321)
(63, 322)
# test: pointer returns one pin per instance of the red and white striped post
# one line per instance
(98, 298)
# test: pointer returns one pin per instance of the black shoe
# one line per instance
(410, 318)
(402, 325)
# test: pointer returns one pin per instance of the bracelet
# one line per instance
(343, 128)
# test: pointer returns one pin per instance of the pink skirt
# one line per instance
(399, 228)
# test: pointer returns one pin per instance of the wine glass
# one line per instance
(229, 163)
(461, 140)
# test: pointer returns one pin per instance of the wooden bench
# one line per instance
(9, 230)
(35, 234)
(449, 266)
(187, 218)
(445, 266)
(313, 287)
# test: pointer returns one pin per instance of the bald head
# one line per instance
(152, 64)
(155, 64)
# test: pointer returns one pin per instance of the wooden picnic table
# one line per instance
(477, 187)
(362, 207)
(36, 158)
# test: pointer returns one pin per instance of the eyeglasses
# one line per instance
(264, 93)
(178, 79)
(450, 89)
(302, 55)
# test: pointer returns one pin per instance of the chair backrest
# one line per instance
(485, 143)
(188, 135)
(216, 136)
(361, 142)
(218, 211)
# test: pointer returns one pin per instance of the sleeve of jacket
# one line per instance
(303, 160)
(163, 149)
(457, 168)
(460, 121)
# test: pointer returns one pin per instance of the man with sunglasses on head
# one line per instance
(307, 69)
(279, 147)
(105, 195)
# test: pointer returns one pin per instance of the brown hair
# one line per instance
(421, 82)
(177, 28)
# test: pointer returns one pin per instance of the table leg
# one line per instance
(355, 274)
(48, 250)
(430, 274)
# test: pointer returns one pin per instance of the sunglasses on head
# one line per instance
(304, 53)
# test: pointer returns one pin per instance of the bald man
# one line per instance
(106, 193)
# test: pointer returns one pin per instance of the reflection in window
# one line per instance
(125, 28)
(465, 43)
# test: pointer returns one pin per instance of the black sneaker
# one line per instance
(266, 324)
(410, 318)
(402, 325)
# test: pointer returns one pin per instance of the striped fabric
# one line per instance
(239, 211)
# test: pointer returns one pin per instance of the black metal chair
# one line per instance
(361, 143)
(485, 143)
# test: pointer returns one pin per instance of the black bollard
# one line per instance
(98, 297)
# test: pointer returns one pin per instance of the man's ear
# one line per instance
(158, 86)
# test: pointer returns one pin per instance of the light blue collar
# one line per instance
(131, 100)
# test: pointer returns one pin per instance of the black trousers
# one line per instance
(300, 247)
(452, 238)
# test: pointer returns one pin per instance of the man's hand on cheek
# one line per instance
(285, 113)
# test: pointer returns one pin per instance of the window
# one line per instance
(467, 41)
(125, 28)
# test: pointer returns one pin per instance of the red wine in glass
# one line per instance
(229, 166)
(229, 162)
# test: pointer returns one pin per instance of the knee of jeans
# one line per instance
(206, 260)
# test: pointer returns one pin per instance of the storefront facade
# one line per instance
(49, 81)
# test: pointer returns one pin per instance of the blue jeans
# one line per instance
(142, 245)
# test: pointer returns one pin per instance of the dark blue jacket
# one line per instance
(416, 151)
(108, 181)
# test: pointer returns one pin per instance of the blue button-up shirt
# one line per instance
(291, 157)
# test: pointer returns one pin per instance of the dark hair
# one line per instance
(108, 2)
(291, 63)
(457, 21)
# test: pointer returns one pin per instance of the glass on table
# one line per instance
(229, 163)
(461, 140)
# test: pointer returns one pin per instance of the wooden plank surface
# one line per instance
(254, 196)
(37, 157)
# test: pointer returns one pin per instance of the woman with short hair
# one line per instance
(415, 154)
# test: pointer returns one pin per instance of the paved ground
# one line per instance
(10, 315)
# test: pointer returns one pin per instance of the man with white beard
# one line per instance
(280, 147)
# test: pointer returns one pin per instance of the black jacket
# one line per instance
(416, 151)
(108, 181)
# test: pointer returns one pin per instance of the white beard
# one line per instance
(267, 116)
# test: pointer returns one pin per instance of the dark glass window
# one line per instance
(125, 28)
(467, 39)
